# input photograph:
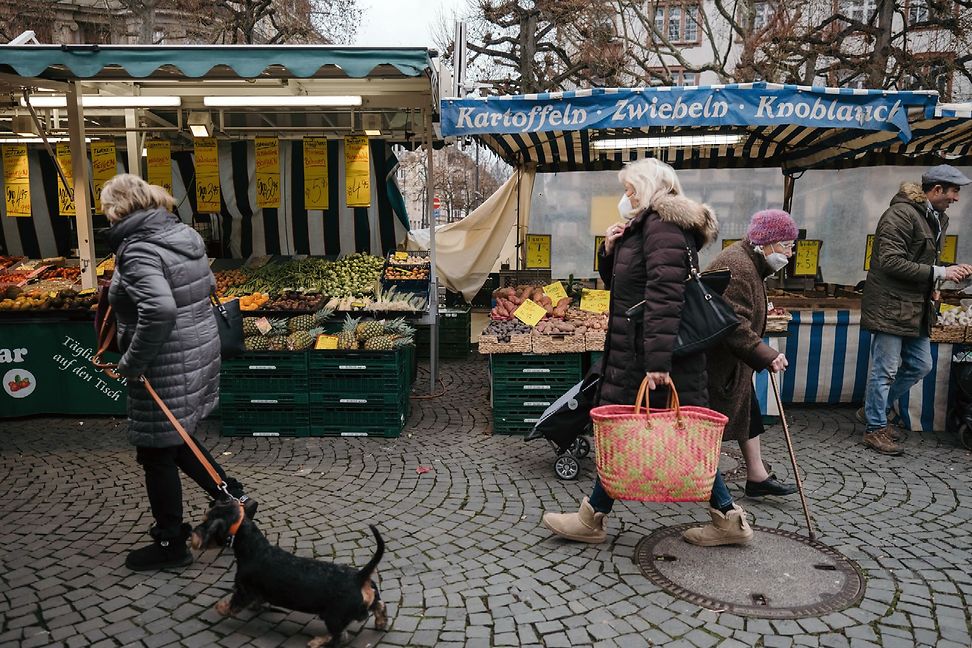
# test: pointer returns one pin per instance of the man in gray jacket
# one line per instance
(898, 307)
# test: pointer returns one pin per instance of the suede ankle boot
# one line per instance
(168, 549)
(728, 528)
(586, 525)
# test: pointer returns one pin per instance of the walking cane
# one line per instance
(793, 461)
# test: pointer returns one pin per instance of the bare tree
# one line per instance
(901, 44)
(542, 45)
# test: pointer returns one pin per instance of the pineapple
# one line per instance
(323, 315)
(348, 339)
(278, 326)
(378, 343)
(299, 341)
(256, 343)
(277, 343)
(370, 329)
(300, 323)
(250, 327)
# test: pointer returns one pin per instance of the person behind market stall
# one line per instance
(644, 257)
(766, 249)
(898, 306)
(167, 333)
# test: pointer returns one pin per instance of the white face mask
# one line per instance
(625, 209)
(777, 260)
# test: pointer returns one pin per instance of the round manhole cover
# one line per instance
(779, 575)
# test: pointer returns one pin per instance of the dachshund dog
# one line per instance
(266, 573)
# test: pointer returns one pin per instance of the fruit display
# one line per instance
(72, 274)
(107, 266)
(375, 335)
(226, 279)
(409, 258)
(290, 300)
(8, 261)
(15, 299)
(284, 334)
(15, 278)
(416, 273)
(392, 300)
(253, 301)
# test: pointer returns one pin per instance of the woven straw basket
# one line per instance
(666, 455)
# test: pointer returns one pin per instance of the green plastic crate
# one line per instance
(265, 373)
(359, 372)
(357, 419)
(264, 415)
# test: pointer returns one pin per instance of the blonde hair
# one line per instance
(651, 179)
(127, 193)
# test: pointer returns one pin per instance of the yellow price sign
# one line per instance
(530, 312)
(595, 301)
(867, 252)
(538, 251)
(947, 307)
(727, 242)
(949, 254)
(555, 292)
(326, 342)
(807, 258)
(401, 256)
(597, 246)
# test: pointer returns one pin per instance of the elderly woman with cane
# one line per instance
(766, 249)
(645, 257)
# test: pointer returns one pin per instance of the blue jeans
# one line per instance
(720, 499)
(897, 364)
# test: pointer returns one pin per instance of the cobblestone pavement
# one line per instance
(467, 562)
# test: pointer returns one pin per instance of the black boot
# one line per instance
(167, 550)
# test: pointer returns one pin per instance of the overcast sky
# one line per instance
(402, 23)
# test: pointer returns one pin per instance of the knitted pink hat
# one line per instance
(771, 226)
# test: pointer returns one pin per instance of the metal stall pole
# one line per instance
(82, 204)
(788, 182)
(433, 275)
(131, 142)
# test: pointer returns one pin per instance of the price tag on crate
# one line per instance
(530, 312)
(326, 342)
(595, 301)
(555, 292)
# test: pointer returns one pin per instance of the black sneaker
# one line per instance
(771, 486)
(161, 554)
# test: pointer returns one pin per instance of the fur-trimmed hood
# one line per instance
(688, 215)
(910, 192)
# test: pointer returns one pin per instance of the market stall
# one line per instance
(281, 157)
(742, 129)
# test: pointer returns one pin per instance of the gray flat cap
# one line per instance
(945, 174)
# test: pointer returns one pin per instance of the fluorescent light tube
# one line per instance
(36, 140)
(676, 141)
(106, 101)
(199, 130)
(273, 101)
(372, 133)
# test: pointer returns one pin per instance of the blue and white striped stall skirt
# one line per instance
(828, 354)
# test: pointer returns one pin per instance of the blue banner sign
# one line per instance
(756, 104)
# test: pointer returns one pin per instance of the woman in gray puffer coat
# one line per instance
(167, 333)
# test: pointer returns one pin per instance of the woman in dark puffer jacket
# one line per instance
(644, 257)
(167, 333)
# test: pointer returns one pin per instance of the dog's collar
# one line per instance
(235, 527)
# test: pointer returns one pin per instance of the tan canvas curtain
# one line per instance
(467, 250)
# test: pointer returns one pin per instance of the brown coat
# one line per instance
(732, 361)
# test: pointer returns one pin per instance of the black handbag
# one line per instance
(229, 321)
(706, 316)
